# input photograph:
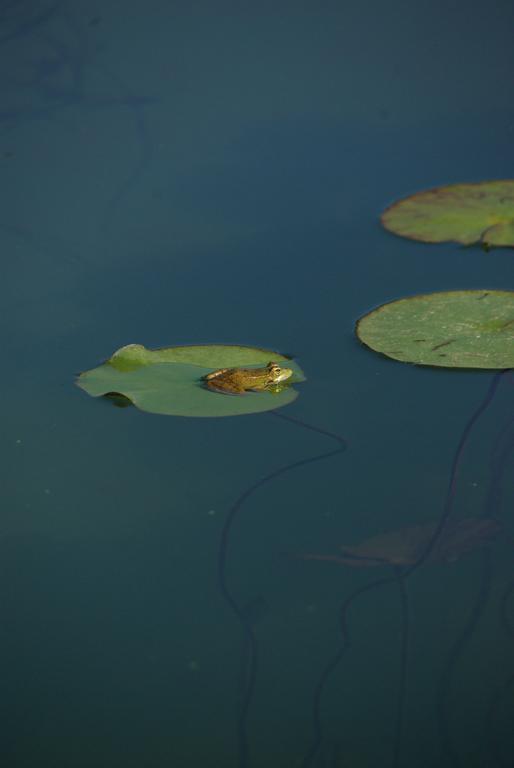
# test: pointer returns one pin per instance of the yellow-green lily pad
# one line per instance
(465, 213)
(451, 329)
(169, 381)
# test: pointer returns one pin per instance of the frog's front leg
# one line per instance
(275, 389)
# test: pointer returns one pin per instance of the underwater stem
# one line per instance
(228, 596)
(445, 516)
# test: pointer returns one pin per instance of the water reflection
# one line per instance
(49, 66)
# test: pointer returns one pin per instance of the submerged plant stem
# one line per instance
(308, 761)
(404, 655)
(248, 632)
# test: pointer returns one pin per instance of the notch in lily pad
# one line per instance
(450, 329)
(482, 212)
(168, 381)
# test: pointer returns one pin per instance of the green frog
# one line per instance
(237, 381)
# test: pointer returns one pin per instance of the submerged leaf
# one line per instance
(169, 381)
(406, 545)
(452, 329)
(465, 213)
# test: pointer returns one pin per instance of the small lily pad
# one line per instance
(169, 381)
(465, 213)
(451, 329)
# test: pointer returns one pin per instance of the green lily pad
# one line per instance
(465, 213)
(168, 381)
(451, 329)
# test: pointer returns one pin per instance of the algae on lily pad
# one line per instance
(452, 329)
(465, 213)
(168, 381)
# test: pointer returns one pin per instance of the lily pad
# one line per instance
(465, 213)
(452, 329)
(168, 381)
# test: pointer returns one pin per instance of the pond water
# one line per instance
(186, 173)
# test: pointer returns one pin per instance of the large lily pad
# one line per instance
(453, 329)
(465, 213)
(168, 381)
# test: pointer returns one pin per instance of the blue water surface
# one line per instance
(197, 172)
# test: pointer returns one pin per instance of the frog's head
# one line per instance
(276, 373)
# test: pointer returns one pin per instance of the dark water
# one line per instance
(177, 173)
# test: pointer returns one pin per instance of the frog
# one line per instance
(238, 381)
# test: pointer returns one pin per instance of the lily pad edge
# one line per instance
(481, 242)
(452, 369)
